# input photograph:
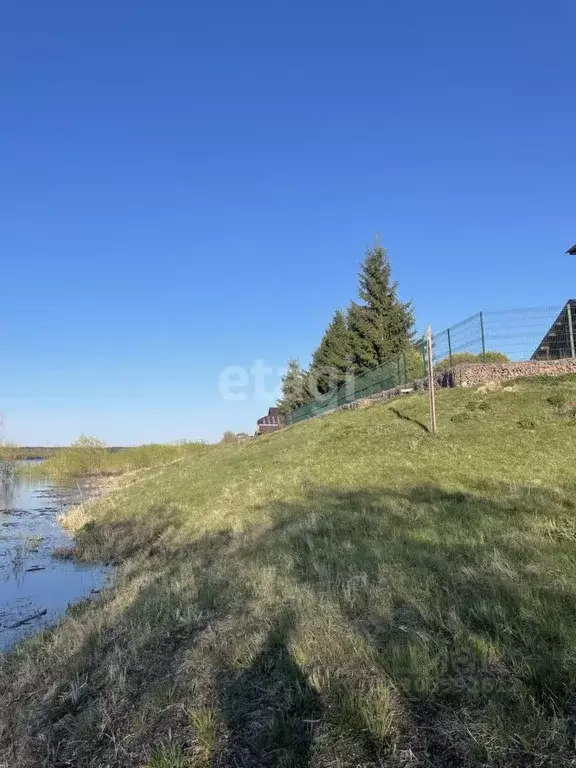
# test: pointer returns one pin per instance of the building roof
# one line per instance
(556, 343)
(272, 419)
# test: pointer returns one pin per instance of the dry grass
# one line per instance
(349, 592)
(89, 457)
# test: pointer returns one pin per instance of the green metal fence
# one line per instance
(541, 333)
(394, 373)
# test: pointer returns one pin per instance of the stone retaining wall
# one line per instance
(473, 375)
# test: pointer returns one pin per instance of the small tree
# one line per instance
(9, 455)
(413, 359)
(492, 356)
(330, 362)
(458, 358)
(86, 456)
(380, 327)
(294, 390)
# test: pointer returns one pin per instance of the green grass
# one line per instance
(349, 592)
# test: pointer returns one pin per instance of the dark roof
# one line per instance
(273, 418)
(572, 251)
(556, 342)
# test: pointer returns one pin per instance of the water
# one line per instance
(36, 588)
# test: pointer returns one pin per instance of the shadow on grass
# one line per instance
(465, 601)
(269, 707)
(478, 616)
(405, 417)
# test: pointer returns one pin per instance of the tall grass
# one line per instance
(350, 591)
(9, 456)
(90, 457)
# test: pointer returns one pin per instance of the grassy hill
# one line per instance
(349, 592)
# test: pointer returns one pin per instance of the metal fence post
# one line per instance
(571, 329)
(431, 392)
(449, 347)
(483, 337)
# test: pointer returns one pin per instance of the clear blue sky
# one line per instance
(190, 186)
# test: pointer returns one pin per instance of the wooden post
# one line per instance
(431, 392)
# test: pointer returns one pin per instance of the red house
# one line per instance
(271, 422)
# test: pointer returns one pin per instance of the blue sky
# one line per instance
(190, 186)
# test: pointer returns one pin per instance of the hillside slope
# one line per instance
(348, 592)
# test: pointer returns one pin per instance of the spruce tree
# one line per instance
(330, 362)
(294, 391)
(359, 334)
(381, 326)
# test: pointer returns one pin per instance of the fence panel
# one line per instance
(543, 333)
(458, 343)
(517, 333)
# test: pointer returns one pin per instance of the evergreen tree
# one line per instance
(359, 334)
(330, 362)
(380, 327)
(294, 391)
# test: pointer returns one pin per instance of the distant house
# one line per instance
(559, 340)
(271, 422)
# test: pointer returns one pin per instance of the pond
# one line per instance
(35, 587)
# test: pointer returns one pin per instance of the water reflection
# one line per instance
(8, 482)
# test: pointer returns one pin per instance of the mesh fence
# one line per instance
(394, 373)
(541, 333)
(464, 338)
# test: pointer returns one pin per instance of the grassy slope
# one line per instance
(349, 592)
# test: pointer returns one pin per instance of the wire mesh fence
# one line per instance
(541, 333)
(401, 370)
(545, 333)
(464, 338)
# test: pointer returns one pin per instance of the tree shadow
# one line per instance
(480, 620)
(117, 689)
(465, 601)
(273, 684)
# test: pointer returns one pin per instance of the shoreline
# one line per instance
(41, 578)
(97, 487)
